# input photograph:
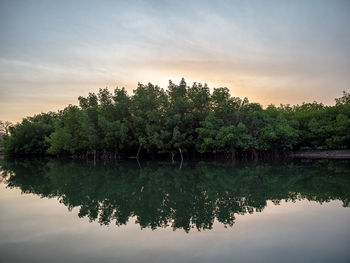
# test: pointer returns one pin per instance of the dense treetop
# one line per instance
(183, 119)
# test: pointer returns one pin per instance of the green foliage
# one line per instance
(69, 135)
(184, 119)
(207, 133)
(29, 136)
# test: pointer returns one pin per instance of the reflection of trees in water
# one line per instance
(161, 195)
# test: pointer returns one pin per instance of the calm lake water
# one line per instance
(56, 211)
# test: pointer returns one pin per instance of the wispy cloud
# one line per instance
(274, 52)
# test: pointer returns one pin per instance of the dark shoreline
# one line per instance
(298, 154)
(321, 154)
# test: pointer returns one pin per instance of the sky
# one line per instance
(275, 52)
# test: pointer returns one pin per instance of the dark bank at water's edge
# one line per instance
(322, 154)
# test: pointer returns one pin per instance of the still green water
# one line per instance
(65, 211)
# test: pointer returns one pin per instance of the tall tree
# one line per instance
(179, 117)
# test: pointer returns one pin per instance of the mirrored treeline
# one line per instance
(162, 195)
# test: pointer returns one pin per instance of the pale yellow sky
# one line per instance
(275, 52)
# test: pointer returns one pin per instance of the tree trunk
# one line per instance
(233, 153)
(137, 159)
(182, 159)
(138, 152)
(172, 157)
(255, 154)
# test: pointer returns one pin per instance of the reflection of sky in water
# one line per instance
(43, 230)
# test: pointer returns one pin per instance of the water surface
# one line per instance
(54, 211)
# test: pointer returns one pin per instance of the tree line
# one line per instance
(179, 121)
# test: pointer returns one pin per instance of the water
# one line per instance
(55, 211)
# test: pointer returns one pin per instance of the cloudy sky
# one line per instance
(269, 51)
